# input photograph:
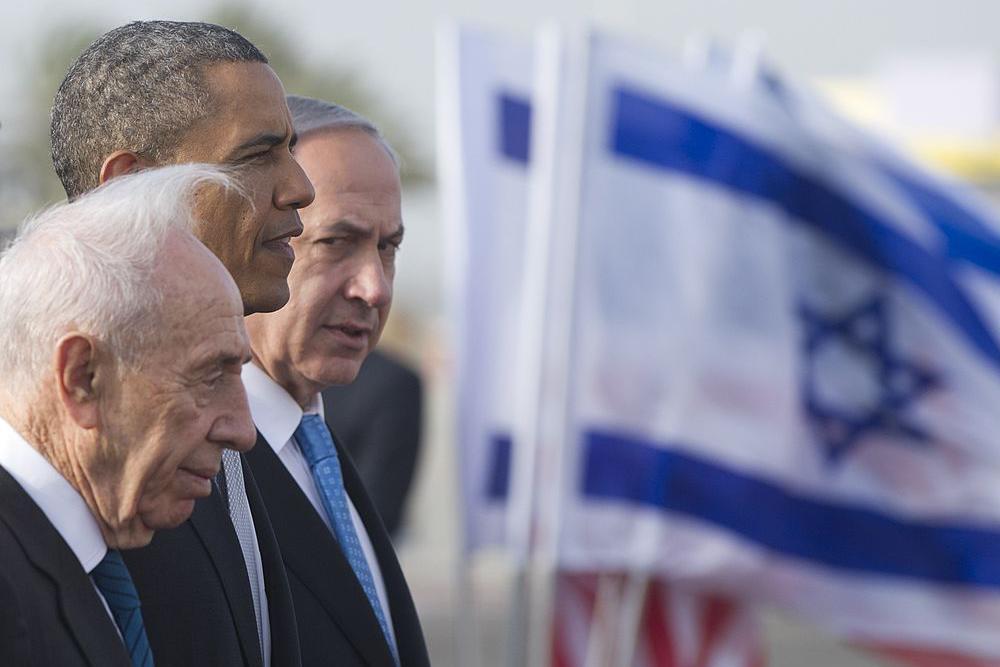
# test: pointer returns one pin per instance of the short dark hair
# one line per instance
(138, 87)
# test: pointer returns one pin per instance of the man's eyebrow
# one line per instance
(265, 140)
(348, 226)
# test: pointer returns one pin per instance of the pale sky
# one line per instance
(390, 43)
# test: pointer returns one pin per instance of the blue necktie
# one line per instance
(317, 446)
(115, 583)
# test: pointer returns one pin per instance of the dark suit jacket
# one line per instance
(379, 417)
(196, 599)
(336, 623)
(50, 613)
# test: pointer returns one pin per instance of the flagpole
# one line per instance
(603, 628)
(633, 604)
(554, 196)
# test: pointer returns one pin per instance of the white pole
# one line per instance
(603, 623)
(554, 200)
(630, 619)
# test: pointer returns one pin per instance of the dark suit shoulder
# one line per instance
(50, 613)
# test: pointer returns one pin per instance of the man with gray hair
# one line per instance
(121, 391)
(351, 600)
(164, 92)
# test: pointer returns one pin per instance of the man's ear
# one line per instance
(120, 163)
(75, 362)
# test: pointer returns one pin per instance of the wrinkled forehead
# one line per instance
(192, 277)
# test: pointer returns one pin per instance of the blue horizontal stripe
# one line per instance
(853, 538)
(967, 237)
(515, 127)
(664, 136)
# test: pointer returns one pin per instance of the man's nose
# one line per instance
(294, 189)
(371, 284)
(234, 429)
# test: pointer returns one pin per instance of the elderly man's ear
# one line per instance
(120, 163)
(76, 371)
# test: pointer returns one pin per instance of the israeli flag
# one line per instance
(777, 352)
(484, 118)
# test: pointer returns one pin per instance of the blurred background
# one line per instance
(924, 73)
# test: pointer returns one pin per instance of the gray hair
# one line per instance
(312, 115)
(139, 87)
(91, 266)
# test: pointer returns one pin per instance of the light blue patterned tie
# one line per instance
(115, 583)
(317, 446)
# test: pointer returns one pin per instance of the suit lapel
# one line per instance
(214, 528)
(281, 611)
(79, 603)
(311, 552)
(405, 622)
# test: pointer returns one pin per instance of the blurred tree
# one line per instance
(27, 181)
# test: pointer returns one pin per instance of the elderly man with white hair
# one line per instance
(123, 342)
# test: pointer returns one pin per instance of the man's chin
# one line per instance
(179, 512)
(134, 536)
(265, 300)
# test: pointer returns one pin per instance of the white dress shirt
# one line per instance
(277, 415)
(59, 501)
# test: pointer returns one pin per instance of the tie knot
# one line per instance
(314, 439)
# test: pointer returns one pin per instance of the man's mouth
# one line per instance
(200, 479)
(281, 246)
(352, 334)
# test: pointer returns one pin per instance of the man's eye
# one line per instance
(259, 156)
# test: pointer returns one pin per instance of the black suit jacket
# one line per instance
(379, 416)
(50, 613)
(336, 623)
(196, 599)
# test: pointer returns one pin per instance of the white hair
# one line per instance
(312, 115)
(90, 266)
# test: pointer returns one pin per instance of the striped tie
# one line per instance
(114, 582)
(317, 447)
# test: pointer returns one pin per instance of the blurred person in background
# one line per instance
(162, 92)
(122, 387)
(379, 417)
(351, 599)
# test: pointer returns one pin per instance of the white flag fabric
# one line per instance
(783, 374)
(484, 134)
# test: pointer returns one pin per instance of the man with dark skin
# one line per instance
(162, 92)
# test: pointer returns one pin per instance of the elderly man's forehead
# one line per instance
(189, 270)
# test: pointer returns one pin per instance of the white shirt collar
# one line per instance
(275, 413)
(59, 501)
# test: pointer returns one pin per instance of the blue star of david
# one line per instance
(865, 331)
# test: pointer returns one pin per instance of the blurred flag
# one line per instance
(484, 113)
(675, 628)
(485, 126)
(778, 354)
